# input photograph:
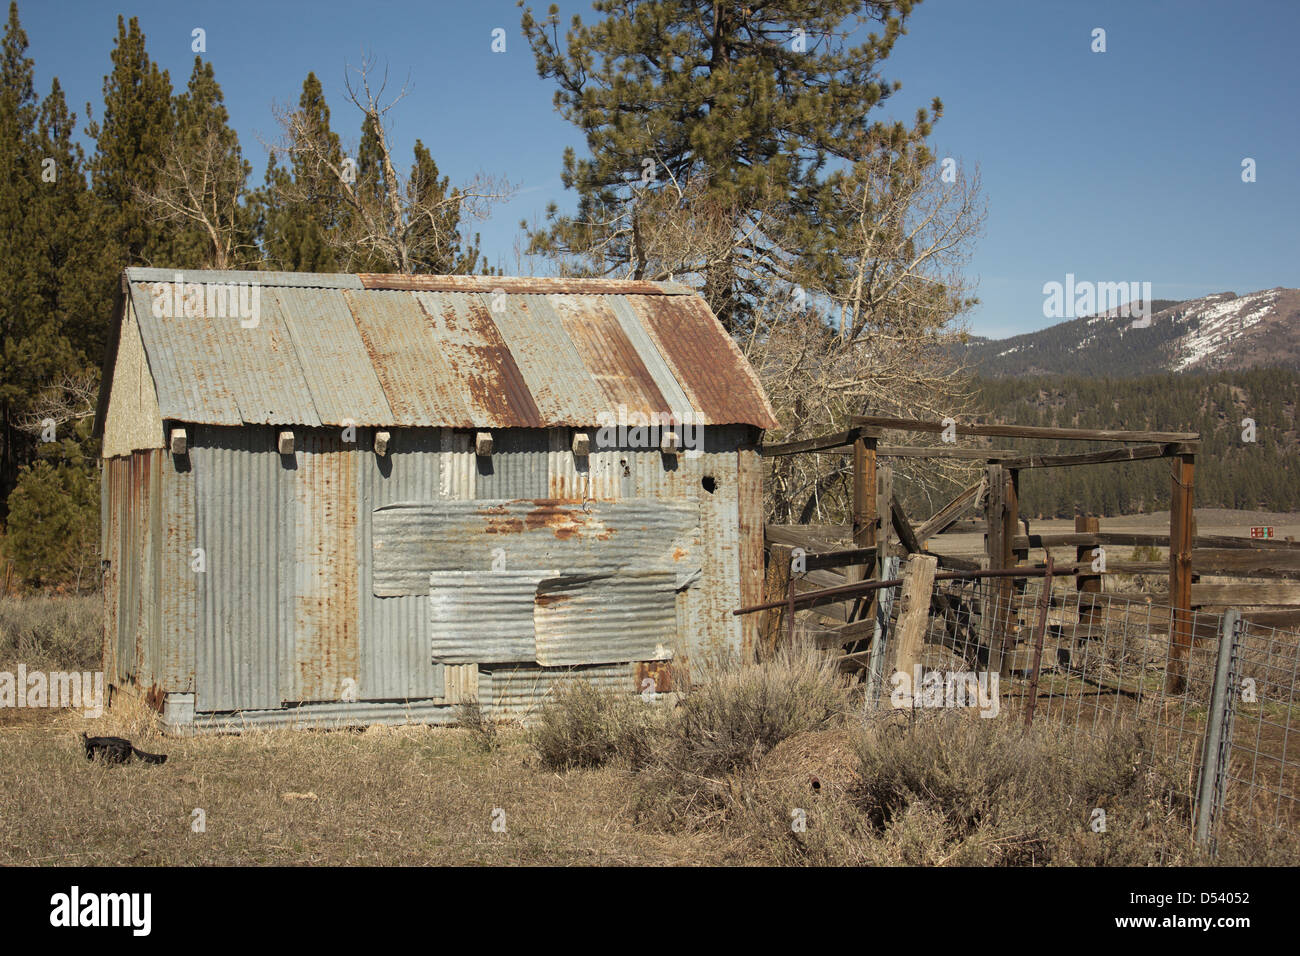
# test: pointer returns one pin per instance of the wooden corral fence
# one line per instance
(846, 577)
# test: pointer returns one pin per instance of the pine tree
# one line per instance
(732, 112)
(136, 128)
(296, 229)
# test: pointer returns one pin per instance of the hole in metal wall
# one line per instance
(709, 483)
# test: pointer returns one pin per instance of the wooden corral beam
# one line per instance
(906, 536)
(1134, 453)
(952, 512)
(836, 441)
(944, 451)
(1210, 541)
(1022, 431)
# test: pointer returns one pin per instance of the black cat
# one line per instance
(117, 750)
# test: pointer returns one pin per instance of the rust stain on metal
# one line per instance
(696, 346)
(551, 597)
(483, 361)
(661, 672)
(326, 641)
(610, 357)
(154, 697)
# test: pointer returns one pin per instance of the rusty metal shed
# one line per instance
(366, 498)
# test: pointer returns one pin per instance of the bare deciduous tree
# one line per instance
(198, 186)
(871, 328)
(405, 224)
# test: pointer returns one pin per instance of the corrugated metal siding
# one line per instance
(177, 597)
(750, 510)
(549, 361)
(394, 637)
(244, 510)
(326, 655)
(517, 467)
(611, 360)
(479, 360)
(705, 361)
(606, 618)
(412, 540)
(483, 616)
(521, 690)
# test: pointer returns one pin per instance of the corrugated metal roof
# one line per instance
(450, 351)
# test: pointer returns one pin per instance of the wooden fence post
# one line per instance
(993, 550)
(775, 586)
(1091, 583)
(914, 611)
(1181, 509)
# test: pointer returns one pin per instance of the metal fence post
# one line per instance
(1218, 732)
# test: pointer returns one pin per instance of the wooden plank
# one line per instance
(944, 451)
(951, 563)
(1203, 595)
(1135, 453)
(1280, 619)
(843, 558)
(776, 581)
(1008, 589)
(1246, 562)
(1181, 509)
(903, 527)
(951, 513)
(864, 487)
(1125, 539)
(914, 611)
(810, 537)
(1023, 431)
(1112, 567)
(837, 441)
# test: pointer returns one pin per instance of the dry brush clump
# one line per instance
(583, 726)
(55, 632)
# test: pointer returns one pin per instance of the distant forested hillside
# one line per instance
(1229, 472)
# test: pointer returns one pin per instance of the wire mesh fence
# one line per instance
(1090, 663)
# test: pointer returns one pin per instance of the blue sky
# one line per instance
(1115, 166)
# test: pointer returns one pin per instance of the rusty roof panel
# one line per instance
(609, 356)
(606, 618)
(520, 285)
(420, 386)
(479, 360)
(483, 616)
(549, 361)
(677, 401)
(339, 375)
(440, 351)
(412, 540)
(697, 349)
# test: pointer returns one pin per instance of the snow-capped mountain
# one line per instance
(1223, 331)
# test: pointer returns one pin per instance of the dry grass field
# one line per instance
(770, 764)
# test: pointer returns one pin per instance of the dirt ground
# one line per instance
(412, 796)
